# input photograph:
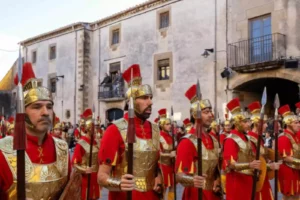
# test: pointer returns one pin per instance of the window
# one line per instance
(33, 58)
(163, 69)
(115, 36)
(164, 20)
(53, 85)
(261, 39)
(52, 52)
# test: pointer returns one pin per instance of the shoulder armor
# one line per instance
(121, 124)
(61, 144)
(6, 144)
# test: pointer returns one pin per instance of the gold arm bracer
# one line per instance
(185, 180)
(296, 161)
(113, 184)
(80, 168)
(240, 166)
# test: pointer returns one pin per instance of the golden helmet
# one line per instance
(191, 94)
(288, 116)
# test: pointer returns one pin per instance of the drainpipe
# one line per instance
(99, 70)
(215, 61)
(75, 77)
(227, 79)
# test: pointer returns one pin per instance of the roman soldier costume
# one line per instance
(214, 129)
(265, 193)
(57, 126)
(79, 131)
(289, 145)
(225, 133)
(10, 126)
(46, 164)
(81, 159)
(237, 156)
(298, 107)
(186, 159)
(187, 125)
(146, 148)
(166, 147)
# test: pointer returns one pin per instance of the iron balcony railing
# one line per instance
(257, 50)
(110, 91)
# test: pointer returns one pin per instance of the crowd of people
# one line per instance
(102, 158)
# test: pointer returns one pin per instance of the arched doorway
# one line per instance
(250, 91)
(114, 114)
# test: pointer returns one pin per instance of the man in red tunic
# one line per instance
(227, 130)
(289, 149)
(146, 179)
(186, 159)
(47, 158)
(215, 128)
(81, 159)
(266, 191)
(79, 131)
(238, 157)
(166, 152)
(298, 114)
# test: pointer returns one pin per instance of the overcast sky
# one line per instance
(21, 19)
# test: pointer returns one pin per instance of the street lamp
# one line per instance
(206, 54)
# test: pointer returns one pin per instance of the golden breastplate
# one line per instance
(245, 154)
(295, 152)
(210, 160)
(86, 157)
(43, 181)
(145, 158)
(167, 148)
(263, 151)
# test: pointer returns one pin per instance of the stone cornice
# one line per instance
(128, 12)
(94, 25)
(59, 31)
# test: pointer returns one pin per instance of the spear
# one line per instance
(174, 148)
(258, 144)
(91, 152)
(218, 131)
(19, 141)
(2, 123)
(199, 141)
(276, 132)
(130, 136)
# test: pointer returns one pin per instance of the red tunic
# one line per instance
(112, 145)
(288, 177)
(77, 133)
(214, 135)
(238, 186)
(186, 163)
(266, 191)
(79, 152)
(167, 170)
(222, 137)
(43, 154)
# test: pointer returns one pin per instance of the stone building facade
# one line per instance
(254, 39)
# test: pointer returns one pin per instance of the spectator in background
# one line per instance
(118, 84)
(106, 85)
(268, 140)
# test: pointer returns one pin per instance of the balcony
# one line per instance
(257, 54)
(111, 92)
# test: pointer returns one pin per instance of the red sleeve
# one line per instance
(112, 146)
(284, 146)
(76, 133)
(231, 150)
(186, 155)
(78, 153)
(222, 138)
(6, 178)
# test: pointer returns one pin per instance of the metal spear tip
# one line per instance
(198, 90)
(172, 113)
(264, 97)
(276, 101)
